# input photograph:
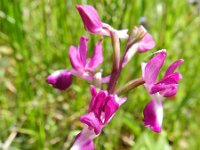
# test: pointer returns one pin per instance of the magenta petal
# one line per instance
(171, 79)
(90, 18)
(92, 121)
(84, 140)
(75, 59)
(60, 79)
(97, 103)
(97, 57)
(167, 86)
(106, 79)
(88, 145)
(146, 43)
(153, 67)
(153, 115)
(93, 91)
(83, 49)
(166, 90)
(170, 91)
(173, 67)
(111, 106)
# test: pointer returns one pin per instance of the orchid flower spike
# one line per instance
(83, 67)
(93, 23)
(102, 108)
(166, 87)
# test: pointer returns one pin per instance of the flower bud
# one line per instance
(90, 17)
(60, 79)
(136, 35)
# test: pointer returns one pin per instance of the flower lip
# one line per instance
(153, 115)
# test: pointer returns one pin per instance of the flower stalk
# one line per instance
(130, 86)
(116, 61)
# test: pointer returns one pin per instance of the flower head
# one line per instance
(166, 87)
(83, 67)
(102, 108)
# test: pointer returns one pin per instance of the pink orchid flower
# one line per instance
(166, 87)
(78, 56)
(93, 23)
(83, 67)
(102, 108)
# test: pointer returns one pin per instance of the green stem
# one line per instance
(130, 85)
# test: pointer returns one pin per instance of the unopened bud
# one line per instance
(136, 35)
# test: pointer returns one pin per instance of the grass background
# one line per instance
(34, 40)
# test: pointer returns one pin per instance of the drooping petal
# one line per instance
(90, 18)
(173, 67)
(153, 67)
(60, 79)
(84, 140)
(92, 121)
(83, 49)
(75, 59)
(97, 57)
(153, 115)
(146, 43)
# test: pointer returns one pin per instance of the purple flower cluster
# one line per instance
(105, 102)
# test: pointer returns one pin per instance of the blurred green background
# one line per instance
(34, 40)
